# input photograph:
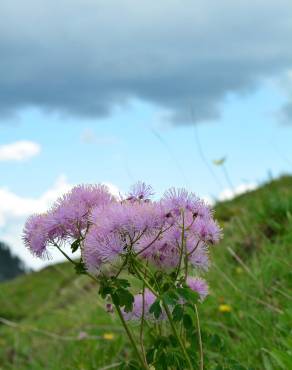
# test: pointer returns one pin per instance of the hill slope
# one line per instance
(53, 320)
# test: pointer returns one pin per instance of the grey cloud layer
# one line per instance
(83, 57)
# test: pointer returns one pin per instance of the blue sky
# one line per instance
(136, 144)
(116, 92)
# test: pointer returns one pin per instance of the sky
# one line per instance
(112, 92)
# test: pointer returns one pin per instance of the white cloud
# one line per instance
(19, 151)
(228, 193)
(14, 210)
(13, 206)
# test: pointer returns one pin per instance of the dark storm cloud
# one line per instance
(83, 57)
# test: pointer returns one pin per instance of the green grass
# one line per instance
(46, 311)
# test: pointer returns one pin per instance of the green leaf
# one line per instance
(178, 312)
(150, 355)
(187, 321)
(124, 283)
(104, 291)
(75, 245)
(115, 299)
(170, 297)
(188, 294)
(124, 298)
(155, 308)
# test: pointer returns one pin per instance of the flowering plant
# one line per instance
(146, 256)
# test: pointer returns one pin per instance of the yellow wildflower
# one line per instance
(225, 308)
(108, 336)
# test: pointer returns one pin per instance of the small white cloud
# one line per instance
(19, 151)
(228, 194)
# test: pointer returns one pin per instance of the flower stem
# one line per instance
(200, 339)
(65, 254)
(131, 338)
(144, 281)
(168, 313)
(73, 262)
(142, 323)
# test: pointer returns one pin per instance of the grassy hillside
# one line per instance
(53, 319)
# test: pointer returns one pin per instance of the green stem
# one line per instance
(142, 324)
(131, 338)
(200, 339)
(73, 262)
(169, 318)
(144, 281)
(65, 254)
(168, 313)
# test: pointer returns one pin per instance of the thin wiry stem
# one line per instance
(145, 281)
(182, 346)
(73, 262)
(200, 339)
(142, 322)
(153, 241)
(193, 250)
(131, 338)
(65, 254)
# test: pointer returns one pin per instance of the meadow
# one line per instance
(53, 319)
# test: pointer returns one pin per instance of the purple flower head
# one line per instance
(181, 206)
(200, 258)
(163, 251)
(207, 230)
(72, 211)
(176, 200)
(101, 251)
(129, 220)
(136, 314)
(201, 209)
(198, 285)
(36, 235)
(140, 192)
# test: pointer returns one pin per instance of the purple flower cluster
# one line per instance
(67, 220)
(110, 229)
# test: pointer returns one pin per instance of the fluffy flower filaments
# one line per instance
(72, 211)
(38, 234)
(68, 219)
(198, 285)
(140, 192)
(158, 232)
